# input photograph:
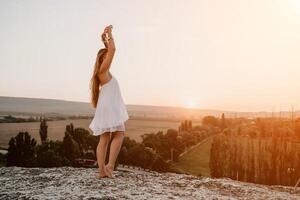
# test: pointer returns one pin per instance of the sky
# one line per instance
(207, 54)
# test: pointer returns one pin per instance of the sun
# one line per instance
(191, 104)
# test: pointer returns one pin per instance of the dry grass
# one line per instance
(195, 161)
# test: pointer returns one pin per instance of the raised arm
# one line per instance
(110, 45)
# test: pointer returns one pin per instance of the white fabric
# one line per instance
(111, 112)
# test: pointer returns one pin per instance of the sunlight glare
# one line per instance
(191, 104)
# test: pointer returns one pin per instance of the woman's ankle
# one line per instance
(110, 165)
(101, 167)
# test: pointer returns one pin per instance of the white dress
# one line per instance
(111, 112)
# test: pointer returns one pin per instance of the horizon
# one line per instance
(168, 106)
(207, 55)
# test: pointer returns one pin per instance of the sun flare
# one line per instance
(191, 104)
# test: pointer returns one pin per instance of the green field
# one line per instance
(196, 160)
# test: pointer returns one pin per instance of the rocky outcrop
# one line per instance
(82, 183)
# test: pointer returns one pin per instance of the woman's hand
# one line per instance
(107, 37)
(107, 33)
(110, 45)
(104, 40)
(108, 30)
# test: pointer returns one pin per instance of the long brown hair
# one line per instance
(95, 81)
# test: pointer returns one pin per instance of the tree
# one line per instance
(43, 131)
(49, 158)
(81, 136)
(49, 154)
(172, 141)
(160, 165)
(21, 151)
(190, 124)
(122, 155)
(210, 121)
(185, 124)
(11, 156)
(2, 160)
(182, 127)
(135, 155)
(214, 161)
(70, 147)
(223, 122)
(149, 156)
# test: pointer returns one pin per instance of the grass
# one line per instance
(195, 161)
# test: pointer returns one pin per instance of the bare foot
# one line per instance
(108, 170)
(102, 173)
(101, 177)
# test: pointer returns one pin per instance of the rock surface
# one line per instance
(82, 183)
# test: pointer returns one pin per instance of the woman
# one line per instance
(111, 112)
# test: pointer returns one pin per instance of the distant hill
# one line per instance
(38, 106)
(82, 183)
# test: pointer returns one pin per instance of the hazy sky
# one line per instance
(215, 54)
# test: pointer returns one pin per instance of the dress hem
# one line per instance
(115, 127)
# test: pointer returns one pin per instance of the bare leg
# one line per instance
(101, 152)
(115, 147)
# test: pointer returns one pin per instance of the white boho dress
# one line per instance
(111, 112)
